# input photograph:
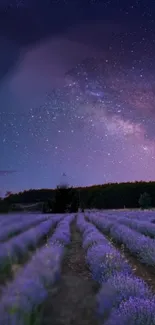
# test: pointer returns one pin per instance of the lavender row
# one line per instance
(135, 214)
(118, 283)
(22, 297)
(134, 311)
(20, 226)
(103, 259)
(144, 227)
(12, 250)
(63, 235)
(104, 223)
(139, 245)
(11, 218)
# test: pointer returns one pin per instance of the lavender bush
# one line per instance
(144, 227)
(29, 289)
(62, 232)
(135, 311)
(10, 218)
(19, 226)
(138, 244)
(103, 223)
(132, 214)
(82, 224)
(21, 298)
(118, 283)
(119, 288)
(92, 239)
(104, 261)
(17, 247)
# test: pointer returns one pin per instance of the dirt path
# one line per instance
(73, 302)
(147, 273)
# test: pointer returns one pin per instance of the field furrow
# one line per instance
(74, 299)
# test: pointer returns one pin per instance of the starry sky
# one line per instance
(77, 92)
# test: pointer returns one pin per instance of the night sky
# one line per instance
(77, 92)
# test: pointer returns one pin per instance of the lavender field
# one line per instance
(96, 267)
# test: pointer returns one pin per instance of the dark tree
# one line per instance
(4, 206)
(145, 201)
(74, 201)
(65, 200)
(61, 200)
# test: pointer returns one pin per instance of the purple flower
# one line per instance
(134, 311)
(102, 223)
(118, 288)
(12, 250)
(62, 232)
(144, 227)
(19, 226)
(24, 295)
(138, 244)
(93, 238)
(104, 261)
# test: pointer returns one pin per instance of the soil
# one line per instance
(147, 273)
(73, 300)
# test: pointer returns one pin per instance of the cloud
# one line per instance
(46, 60)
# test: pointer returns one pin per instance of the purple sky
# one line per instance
(77, 95)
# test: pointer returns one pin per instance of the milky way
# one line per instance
(81, 102)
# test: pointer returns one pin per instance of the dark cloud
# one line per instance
(24, 27)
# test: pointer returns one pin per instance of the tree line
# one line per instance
(107, 196)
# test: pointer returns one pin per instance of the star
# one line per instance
(77, 93)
